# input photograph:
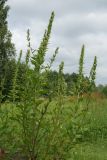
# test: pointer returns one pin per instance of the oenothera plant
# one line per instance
(32, 108)
(77, 126)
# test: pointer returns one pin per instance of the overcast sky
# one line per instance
(76, 22)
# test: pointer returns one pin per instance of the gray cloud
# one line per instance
(76, 22)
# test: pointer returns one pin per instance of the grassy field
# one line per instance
(93, 143)
(95, 147)
(91, 151)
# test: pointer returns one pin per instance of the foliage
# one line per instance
(37, 123)
(102, 89)
(7, 50)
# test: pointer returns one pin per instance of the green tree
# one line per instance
(7, 50)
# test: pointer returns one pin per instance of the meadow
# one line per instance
(42, 118)
(88, 133)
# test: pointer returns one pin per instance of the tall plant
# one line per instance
(32, 108)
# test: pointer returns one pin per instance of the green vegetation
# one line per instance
(87, 137)
(48, 115)
(7, 51)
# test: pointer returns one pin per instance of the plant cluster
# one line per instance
(36, 123)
